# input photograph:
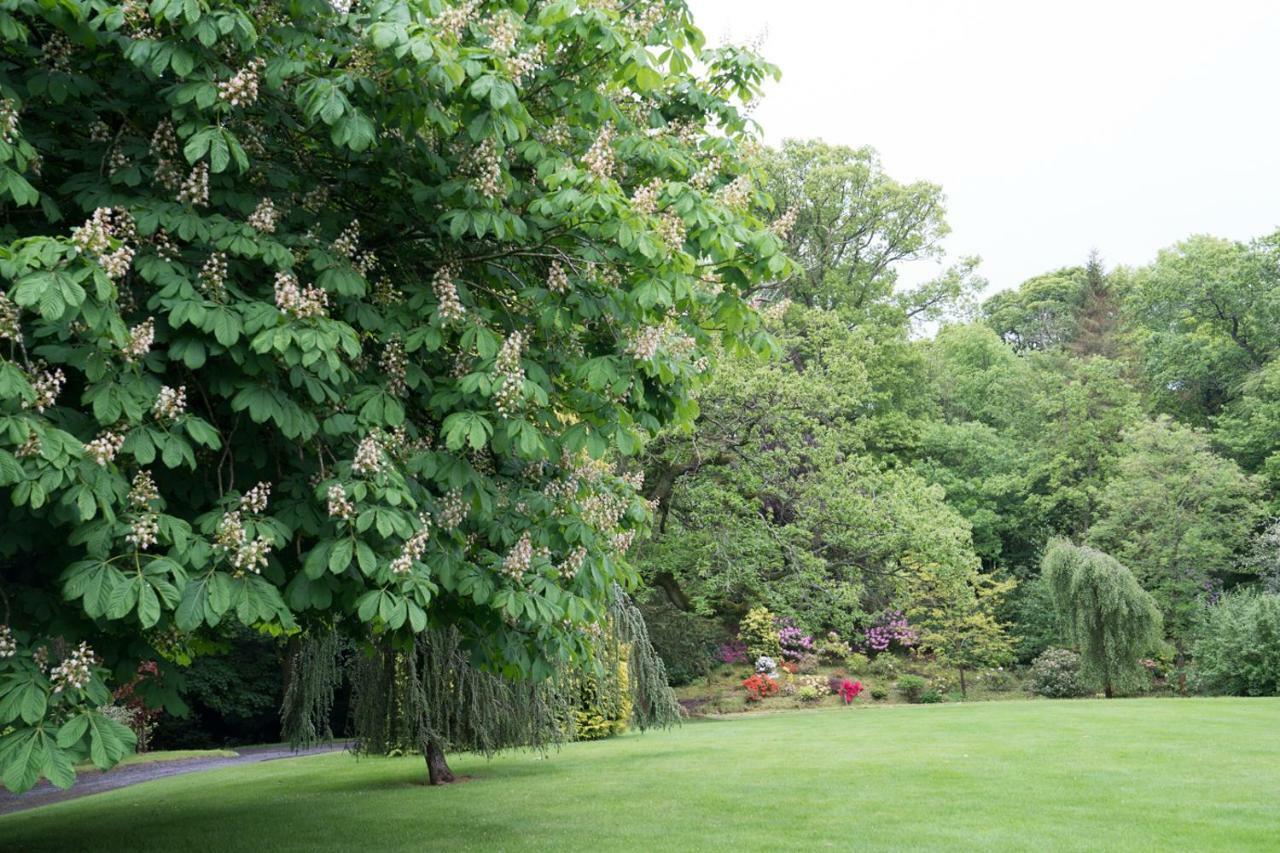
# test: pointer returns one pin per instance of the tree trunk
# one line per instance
(438, 772)
(1108, 691)
(675, 595)
(964, 691)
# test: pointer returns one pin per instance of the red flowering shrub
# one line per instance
(759, 686)
(849, 690)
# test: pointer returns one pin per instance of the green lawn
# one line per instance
(1123, 774)
(170, 755)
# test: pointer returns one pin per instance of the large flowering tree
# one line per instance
(320, 314)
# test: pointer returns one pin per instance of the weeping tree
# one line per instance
(1103, 611)
(329, 313)
(427, 693)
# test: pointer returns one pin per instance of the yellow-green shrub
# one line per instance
(760, 634)
(604, 704)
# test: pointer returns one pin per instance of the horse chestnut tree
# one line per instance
(343, 314)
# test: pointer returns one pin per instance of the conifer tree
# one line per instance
(1099, 312)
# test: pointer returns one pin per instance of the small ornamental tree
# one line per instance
(324, 316)
(1106, 615)
(954, 610)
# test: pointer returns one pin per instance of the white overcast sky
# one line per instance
(1052, 127)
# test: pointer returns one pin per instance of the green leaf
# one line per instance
(86, 505)
(366, 558)
(317, 561)
(191, 611)
(124, 597)
(219, 153)
(22, 757)
(148, 606)
(23, 697)
(57, 767)
(340, 556)
(367, 605)
(202, 433)
(198, 145)
(72, 730)
(417, 618)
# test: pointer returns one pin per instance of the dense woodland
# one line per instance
(905, 435)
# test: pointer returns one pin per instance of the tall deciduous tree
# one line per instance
(1206, 314)
(1084, 408)
(852, 224)
(1178, 515)
(777, 499)
(979, 450)
(1040, 314)
(1248, 429)
(1104, 612)
(329, 314)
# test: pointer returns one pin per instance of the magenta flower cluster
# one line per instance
(889, 628)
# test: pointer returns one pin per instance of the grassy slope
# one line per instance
(1123, 774)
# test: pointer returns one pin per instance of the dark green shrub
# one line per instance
(1030, 608)
(912, 687)
(879, 693)
(684, 641)
(1056, 674)
(930, 697)
(1237, 649)
(233, 696)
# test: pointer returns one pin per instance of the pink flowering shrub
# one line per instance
(732, 652)
(889, 628)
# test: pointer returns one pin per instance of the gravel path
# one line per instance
(95, 782)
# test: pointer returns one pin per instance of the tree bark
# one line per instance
(964, 691)
(1108, 691)
(438, 772)
(671, 587)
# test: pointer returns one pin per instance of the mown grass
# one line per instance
(1137, 774)
(169, 755)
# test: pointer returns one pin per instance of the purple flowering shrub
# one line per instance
(889, 628)
(796, 644)
(732, 652)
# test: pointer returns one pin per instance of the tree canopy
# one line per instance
(1178, 515)
(328, 316)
